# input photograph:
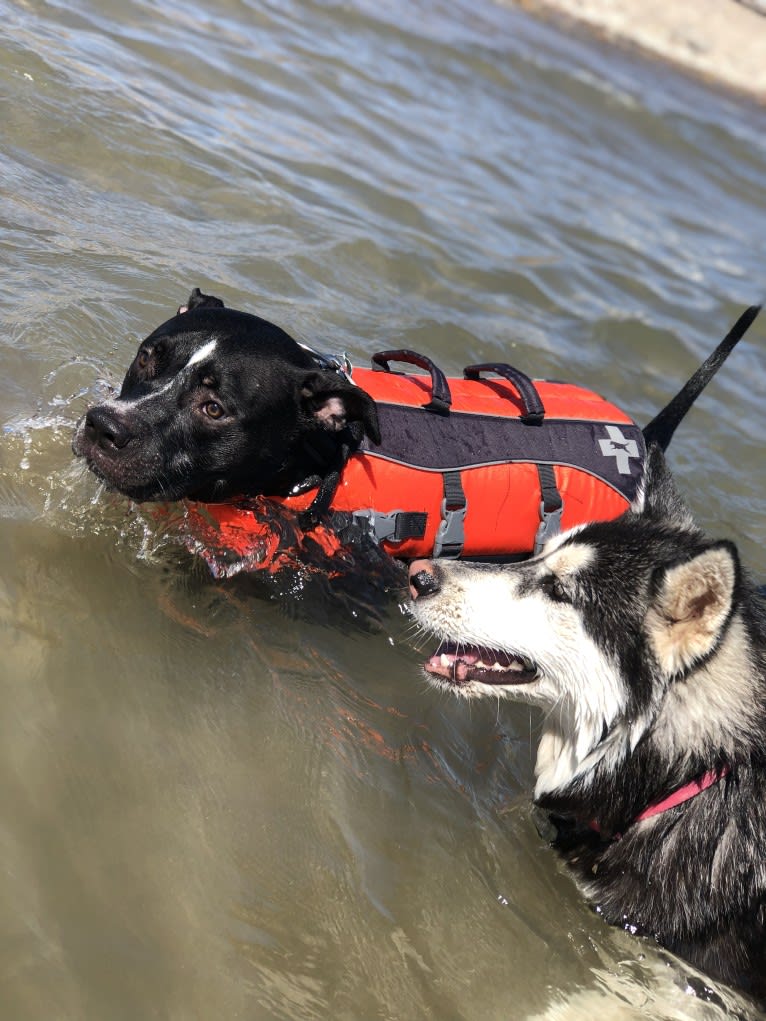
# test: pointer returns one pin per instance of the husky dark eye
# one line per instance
(555, 589)
(213, 409)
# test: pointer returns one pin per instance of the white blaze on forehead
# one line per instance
(199, 356)
(202, 353)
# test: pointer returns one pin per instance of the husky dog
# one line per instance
(644, 643)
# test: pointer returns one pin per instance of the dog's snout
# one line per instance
(424, 580)
(105, 428)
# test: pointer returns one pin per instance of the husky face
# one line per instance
(515, 632)
(595, 630)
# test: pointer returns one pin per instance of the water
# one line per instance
(218, 806)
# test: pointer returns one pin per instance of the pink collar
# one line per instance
(685, 793)
(677, 797)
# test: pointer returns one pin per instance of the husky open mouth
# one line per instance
(459, 664)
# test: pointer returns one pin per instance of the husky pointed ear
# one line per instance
(334, 403)
(692, 605)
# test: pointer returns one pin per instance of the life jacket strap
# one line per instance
(441, 397)
(534, 410)
(308, 519)
(328, 485)
(551, 507)
(450, 535)
(393, 526)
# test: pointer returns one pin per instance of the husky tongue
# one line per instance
(460, 664)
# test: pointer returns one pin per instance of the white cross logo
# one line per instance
(620, 448)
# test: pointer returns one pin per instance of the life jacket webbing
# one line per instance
(450, 535)
(551, 506)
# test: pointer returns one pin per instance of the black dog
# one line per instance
(219, 403)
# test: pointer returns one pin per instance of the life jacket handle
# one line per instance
(531, 403)
(441, 398)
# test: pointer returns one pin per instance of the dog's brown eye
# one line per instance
(143, 358)
(213, 409)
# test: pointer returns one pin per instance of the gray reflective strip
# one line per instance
(620, 447)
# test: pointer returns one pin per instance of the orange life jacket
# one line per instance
(473, 468)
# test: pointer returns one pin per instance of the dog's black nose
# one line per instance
(105, 428)
(423, 579)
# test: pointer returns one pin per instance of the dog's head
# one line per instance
(217, 403)
(595, 629)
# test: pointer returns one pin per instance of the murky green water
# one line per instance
(216, 807)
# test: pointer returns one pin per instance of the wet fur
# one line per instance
(219, 403)
(650, 646)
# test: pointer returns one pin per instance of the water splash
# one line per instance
(41, 480)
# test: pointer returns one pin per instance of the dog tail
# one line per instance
(661, 428)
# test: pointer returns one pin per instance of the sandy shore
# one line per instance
(723, 41)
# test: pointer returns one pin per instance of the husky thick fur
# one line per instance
(644, 643)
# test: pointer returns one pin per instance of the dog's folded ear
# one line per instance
(334, 403)
(692, 605)
(199, 300)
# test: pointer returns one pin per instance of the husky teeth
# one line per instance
(500, 662)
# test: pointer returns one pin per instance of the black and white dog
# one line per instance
(644, 643)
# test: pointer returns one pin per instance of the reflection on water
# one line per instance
(221, 803)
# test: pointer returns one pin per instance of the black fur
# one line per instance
(260, 414)
(660, 430)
